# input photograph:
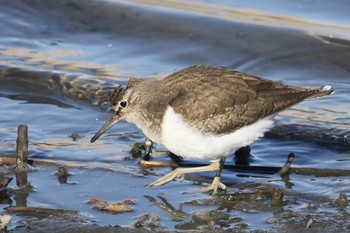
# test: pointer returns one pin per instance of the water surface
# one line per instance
(60, 59)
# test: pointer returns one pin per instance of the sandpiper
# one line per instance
(204, 112)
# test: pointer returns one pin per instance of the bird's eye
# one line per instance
(123, 104)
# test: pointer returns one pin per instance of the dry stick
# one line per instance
(22, 148)
(22, 156)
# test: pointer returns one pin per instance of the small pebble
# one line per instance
(148, 221)
(342, 200)
(277, 197)
(62, 171)
(271, 220)
(4, 221)
(136, 150)
(208, 216)
(309, 222)
(75, 136)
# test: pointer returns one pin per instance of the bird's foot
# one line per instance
(178, 172)
(215, 186)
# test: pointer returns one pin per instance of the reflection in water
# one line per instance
(62, 175)
(218, 216)
(4, 194)
(253, 199)
(51, 88)
(330, 138)
(287, 181)
(23, 188)
(166, 206)
(56, 59)
(243, 156)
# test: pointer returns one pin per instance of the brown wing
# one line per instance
(220, 100)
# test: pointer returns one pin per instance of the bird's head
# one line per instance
(123, 104)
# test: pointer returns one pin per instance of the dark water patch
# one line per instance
(335, 41)
(329, 138)
(52, 88)
(30, 99)
(147, 38)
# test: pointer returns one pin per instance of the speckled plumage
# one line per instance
(204, 112)
(212, 99)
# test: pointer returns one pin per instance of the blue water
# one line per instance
(60, 59)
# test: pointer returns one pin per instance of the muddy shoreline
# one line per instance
(292, 211)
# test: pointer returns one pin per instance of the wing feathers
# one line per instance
(220, 100)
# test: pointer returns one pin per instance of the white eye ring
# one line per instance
(123, 103)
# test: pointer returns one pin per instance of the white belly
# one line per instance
(188, 142)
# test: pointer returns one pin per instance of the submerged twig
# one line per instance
(41, 211)
(166, 206)
(3, 188)
(285, 169)
(319, 172)
(12, 161)
(4, 182)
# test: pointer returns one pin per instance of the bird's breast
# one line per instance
(187, 141)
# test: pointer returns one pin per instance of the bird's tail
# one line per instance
(322, 91)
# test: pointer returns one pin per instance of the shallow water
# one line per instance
(60, 59)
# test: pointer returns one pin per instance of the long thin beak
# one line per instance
(112, 121)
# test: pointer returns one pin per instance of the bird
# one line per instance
(204, 112)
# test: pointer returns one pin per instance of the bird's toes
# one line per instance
(166, 178)
(215, 186)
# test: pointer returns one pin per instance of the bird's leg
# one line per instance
(180, 172)
(216, 184)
